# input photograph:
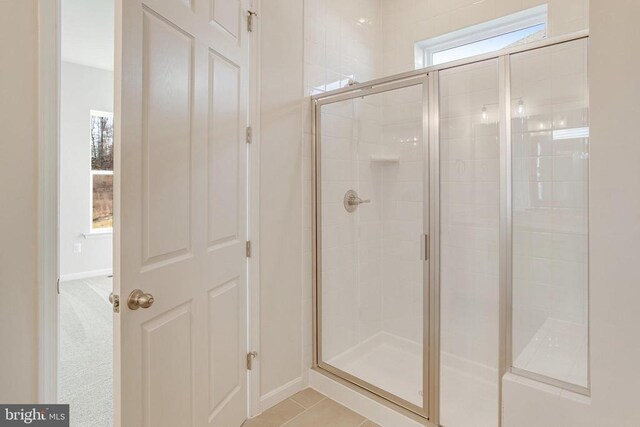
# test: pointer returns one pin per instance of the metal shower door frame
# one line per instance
(429, 414)
(410, 409)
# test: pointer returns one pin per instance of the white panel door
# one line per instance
(180, 227)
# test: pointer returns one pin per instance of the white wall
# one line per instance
(19, 190)
(82, 89)
(281, 177)
(614, 226)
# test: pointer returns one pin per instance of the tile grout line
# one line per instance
(299, 404)
(305, 409)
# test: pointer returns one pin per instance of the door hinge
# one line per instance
(249, 135)
(250, 356)
(250, 16)
(114, 299)
(248, 249)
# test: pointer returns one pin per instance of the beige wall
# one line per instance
(614, 239)
(19, 190)
(281, 169)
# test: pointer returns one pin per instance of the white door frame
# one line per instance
(253, 215)
(48, 195)
(49, 55)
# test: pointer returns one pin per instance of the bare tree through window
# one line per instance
(101, 141)
(101, 170)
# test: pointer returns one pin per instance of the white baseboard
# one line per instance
(86, 274)
(281, 393)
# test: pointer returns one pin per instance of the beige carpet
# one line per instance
(85, 376)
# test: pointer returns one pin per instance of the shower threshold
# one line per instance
(387, 361)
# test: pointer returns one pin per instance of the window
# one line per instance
(101, 171)
(338, 84)
(523, 27)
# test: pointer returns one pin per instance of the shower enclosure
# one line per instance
(450, 231)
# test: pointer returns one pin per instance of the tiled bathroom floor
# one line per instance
(309, 408)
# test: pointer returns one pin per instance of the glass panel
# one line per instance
(101, 170)
(372, 272)
(503, 41)
(102, 201)
(469, 227)
(101, 141)
(550, 149)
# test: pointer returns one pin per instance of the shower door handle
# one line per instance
(424, 247)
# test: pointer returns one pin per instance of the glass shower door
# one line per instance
(469, 144)
(370, 237)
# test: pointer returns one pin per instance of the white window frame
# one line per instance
(92, 173)
(424, 50)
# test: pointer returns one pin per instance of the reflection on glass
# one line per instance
(550, 152)
(371, 267)
(469, 218)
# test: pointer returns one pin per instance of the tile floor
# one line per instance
(309, 408)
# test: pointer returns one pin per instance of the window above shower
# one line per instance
(508, 31)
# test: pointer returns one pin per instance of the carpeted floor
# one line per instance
(85, 376)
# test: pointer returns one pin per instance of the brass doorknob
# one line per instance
(138, 299)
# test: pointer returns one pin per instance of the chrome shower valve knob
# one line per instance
(352, 201)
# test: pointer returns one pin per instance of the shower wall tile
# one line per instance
(341, 42)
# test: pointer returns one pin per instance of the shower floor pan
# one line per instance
(394, 364)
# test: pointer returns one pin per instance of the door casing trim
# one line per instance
(48, 196)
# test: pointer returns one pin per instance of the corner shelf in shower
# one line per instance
(382, 159)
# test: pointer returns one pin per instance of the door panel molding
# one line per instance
(181, 222)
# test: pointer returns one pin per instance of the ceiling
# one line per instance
(88, 32)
